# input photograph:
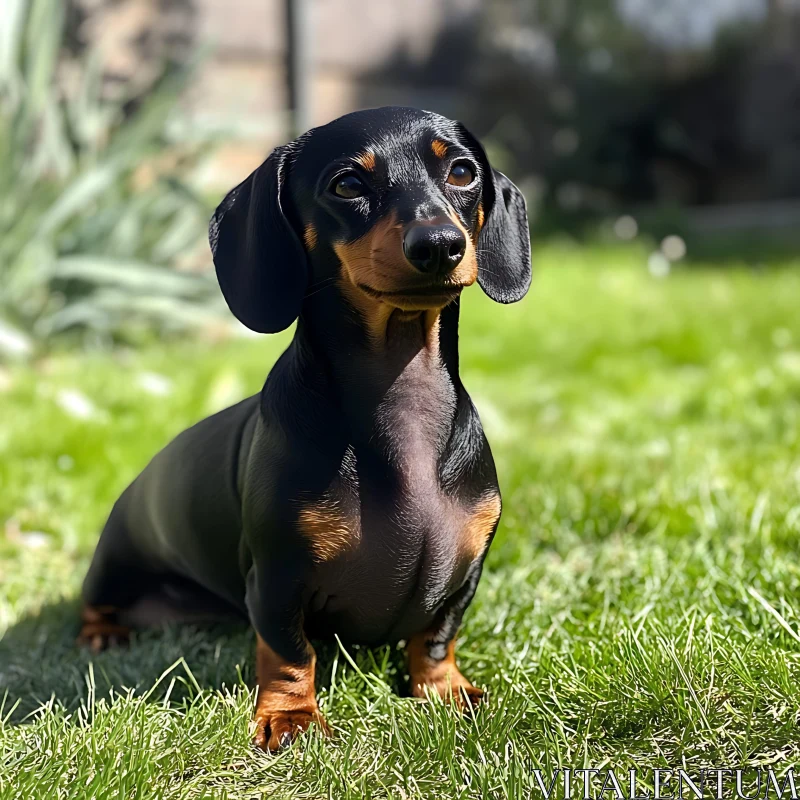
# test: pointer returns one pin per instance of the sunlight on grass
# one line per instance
(639, 607)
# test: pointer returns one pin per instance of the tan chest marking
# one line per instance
(327, 529)
(480, 522)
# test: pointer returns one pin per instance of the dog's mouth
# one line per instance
(417, 297)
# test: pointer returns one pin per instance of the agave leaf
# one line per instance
(172, 312)
(12, 22)
(84, 313)
(84, 241)
(145, 129)
(78, 195)
(54, 153)
(42, 49)
(128, 231)
(90, 118)
(134, 276)
(180, 236)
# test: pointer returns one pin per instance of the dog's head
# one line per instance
(399, 207)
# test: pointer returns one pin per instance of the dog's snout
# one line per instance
(434, 248)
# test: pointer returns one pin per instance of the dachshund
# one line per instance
(356, 495)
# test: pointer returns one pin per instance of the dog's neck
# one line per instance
(394, 378)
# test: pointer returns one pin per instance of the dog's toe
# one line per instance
(98, 637)
(100, 630)
(454, 688)
(278, 729)
(470, 696)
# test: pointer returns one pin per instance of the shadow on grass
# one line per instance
(40, 661)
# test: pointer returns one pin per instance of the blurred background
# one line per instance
(122, 122)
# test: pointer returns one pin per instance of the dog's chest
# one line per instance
(389, 541)
(389, 554)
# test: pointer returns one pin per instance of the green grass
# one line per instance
(639, 607)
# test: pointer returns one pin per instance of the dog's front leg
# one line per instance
(286, 702)
(432, 653)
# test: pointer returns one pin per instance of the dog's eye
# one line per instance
(348, 186)
(461, 175)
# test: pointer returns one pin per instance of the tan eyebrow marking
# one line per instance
(310, 236)
(366, 159)
(439, 148)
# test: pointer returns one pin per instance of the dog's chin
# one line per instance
(411, 304)
(414, 301)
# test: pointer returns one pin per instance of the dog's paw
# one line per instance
(468, 696)
(99, 640)
(276, 730)
(100, 630)
(456, 690)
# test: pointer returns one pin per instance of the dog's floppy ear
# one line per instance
(504, 242)
(261, 264)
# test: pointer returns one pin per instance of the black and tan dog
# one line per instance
(356, 494)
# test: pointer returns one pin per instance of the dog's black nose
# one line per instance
(434, 248)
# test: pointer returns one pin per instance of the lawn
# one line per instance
(640, 603)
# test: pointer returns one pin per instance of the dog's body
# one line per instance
(380, 542)
(356, 494)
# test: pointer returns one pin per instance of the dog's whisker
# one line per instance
(320, 289)
(323, 282)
